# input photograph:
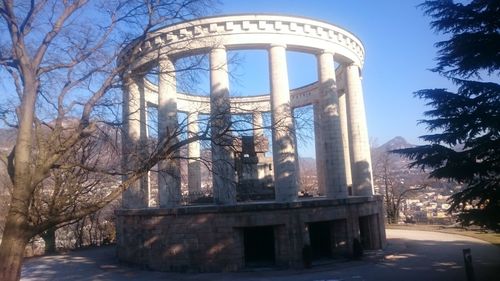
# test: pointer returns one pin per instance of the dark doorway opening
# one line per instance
(321, 240)
(259, 246)
(365, 232)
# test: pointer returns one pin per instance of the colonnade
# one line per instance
(342, 149)
(341, 138)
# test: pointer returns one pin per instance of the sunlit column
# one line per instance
(258, 136)
(333, 149)
(258, 125)
(169, 176)
(297, 158)
(345, 126)
(319, 144)
(144, 144)
(283, 132)
(345, 136)
(137, 193)
(358, 134)
(194, 168)
(224, 184)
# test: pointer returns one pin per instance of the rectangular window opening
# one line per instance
(259, 246)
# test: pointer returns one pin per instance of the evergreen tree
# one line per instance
(464, 126)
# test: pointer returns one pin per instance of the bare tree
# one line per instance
(394, 185)
(61, 60)
(72, 184)
(4, 197)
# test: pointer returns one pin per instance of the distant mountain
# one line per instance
(307, 164)
(395, 143)
(398, 162)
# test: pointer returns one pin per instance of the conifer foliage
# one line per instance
(464, 125)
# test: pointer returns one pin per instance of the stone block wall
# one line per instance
(210, 238)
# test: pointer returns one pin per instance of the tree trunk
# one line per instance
(14, 242)
(17, 231)
(396, 211)
(49, 237)
(79, 233)
(391, 213)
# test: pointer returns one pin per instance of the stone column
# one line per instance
(144, 144)
(258, 137)
(283, 132)
(358, 134)
(297, 157)
(194, 167)
(353, 231)
(333, 149)
(224, 182)
(137, 195)
(319, 144)
(258, 125)
(169, 175)
(345, 137)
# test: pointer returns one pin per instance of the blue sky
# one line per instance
(399, 47)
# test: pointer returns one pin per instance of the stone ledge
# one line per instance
(247, 207)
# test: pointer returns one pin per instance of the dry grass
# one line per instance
(488, 236)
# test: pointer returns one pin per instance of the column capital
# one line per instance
(166, 68)
(218, 47)
(329, 52)
(131, 77)
(353, 64)
(127, 79)
(165, 55)
(326, 67)
(218, 61)
(165, 59)
(273, 45)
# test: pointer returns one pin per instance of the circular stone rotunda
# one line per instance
(227, 233)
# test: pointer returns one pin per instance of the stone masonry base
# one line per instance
(226, 238)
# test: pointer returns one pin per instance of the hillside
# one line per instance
(383, 151)
(7, 138)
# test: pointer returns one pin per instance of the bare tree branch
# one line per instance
(56, 28)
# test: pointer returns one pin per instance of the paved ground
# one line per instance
(410, 255)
